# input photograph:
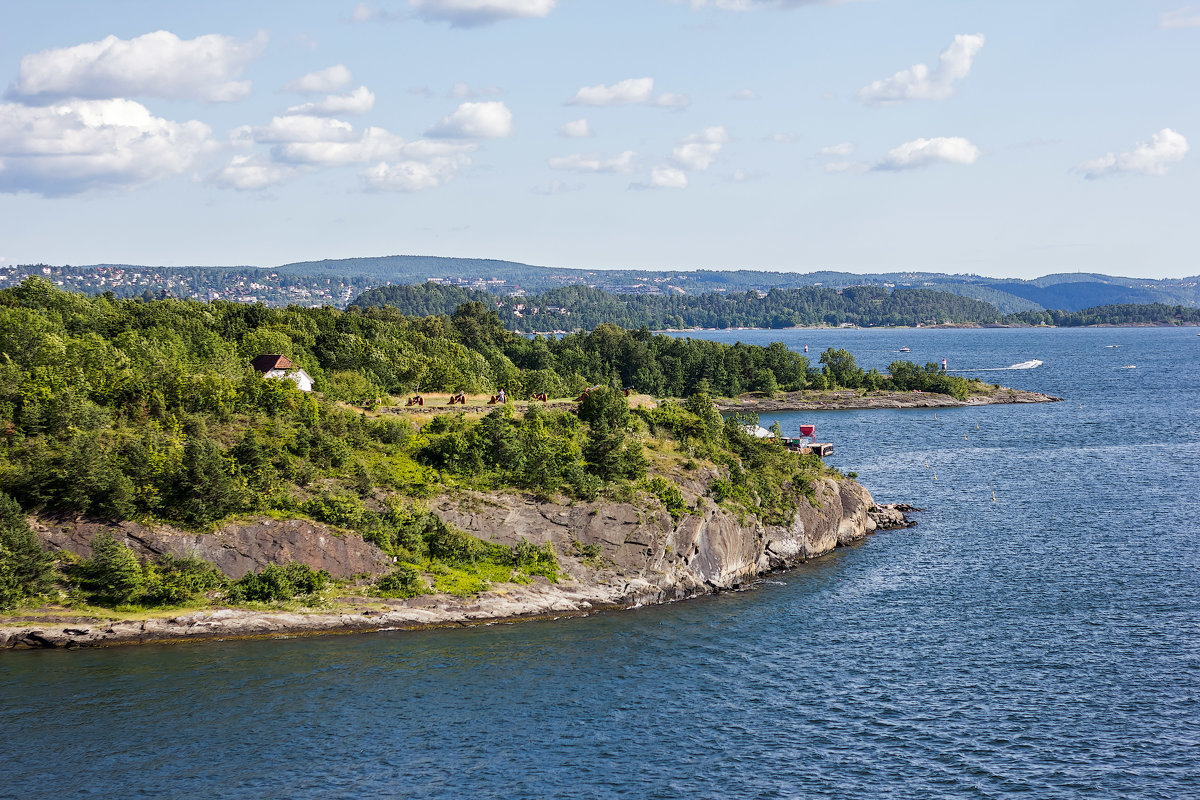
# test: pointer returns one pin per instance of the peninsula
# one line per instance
(180, 470)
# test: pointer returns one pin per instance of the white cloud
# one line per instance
(668, 178)
(78, 145)
(924, 152)
(158, 64)
(473, 13)
(360, 101)
(412, 176)
(329, 79)
(631, 91)
(1166, 148)
(782, 138)
(251, 173)
(303, 128)
(576, 129)
(1180, 18)
(464, 91)
(490, 120)
(745, 94)
(591, 162)
(700, 150)
(919, 82)
(843, 149)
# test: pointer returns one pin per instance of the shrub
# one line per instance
(403, 581)
(277, 583)
(172, 580)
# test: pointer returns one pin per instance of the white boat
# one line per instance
(905, 350)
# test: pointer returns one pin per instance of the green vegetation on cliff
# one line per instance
(124, 409)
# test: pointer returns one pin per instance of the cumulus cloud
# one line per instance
(474, 13)
(490, 120)
(919, 82)
(668, 178)
(1167, 147)
(252, 173)
(329, 79)
(360, 101)
(924, 152)
(745, 94)
(700, 150)
(303, 128)
(158, 64)
(576, 129)
(412, 176)
(77, 145)
(782, 138)
(1180, 18)
(843, 149)
(591, 162)
(300, 144)
(631, 91)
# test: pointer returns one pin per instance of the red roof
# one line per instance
(266, 363)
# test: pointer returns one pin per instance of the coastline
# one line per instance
(647, 559)
(846, 400)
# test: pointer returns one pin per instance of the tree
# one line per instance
(25, 569)
(113, 574)
(841, 368)
(609, 456)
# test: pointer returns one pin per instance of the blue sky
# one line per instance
(998, 138)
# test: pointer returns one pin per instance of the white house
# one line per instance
(276, 366)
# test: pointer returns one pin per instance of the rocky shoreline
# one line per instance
(638, 558)
(846, 400)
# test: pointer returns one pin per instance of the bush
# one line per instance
(173, 581)
(276, 583)
(534, 560)
(670, 496)
(403, 581)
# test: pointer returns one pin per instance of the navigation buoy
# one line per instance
(926, 465)
(935, 475)
(993, 496)
(976, 426)
(964, 437)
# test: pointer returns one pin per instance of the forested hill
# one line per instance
(1118, 314)
(582, 307)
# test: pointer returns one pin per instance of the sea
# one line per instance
(1036, 635)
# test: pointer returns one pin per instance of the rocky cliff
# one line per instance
(612, 555)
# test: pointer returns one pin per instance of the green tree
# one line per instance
(25, 569)
(113, 575)
(841, 369)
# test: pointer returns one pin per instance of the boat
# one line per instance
(1112, 345)
(1130, 366)
(905, 350)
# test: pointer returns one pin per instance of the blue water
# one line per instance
(1045, 645)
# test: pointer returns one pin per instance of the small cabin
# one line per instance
(277, 366)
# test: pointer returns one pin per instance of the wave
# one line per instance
(1032, 363)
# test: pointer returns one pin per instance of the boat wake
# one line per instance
(1033, 363)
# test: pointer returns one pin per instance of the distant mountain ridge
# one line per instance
(338, 281)
(1067, 291)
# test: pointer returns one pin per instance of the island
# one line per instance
(178, 470)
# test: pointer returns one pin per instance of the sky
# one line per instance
(1009, 139)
